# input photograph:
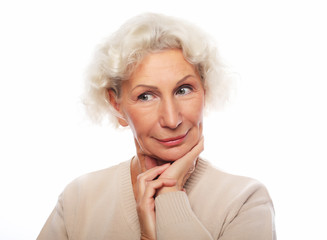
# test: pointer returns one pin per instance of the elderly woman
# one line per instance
(156, 74)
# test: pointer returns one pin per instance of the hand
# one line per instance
(146, 186)
(181, 169)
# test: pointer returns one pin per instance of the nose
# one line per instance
(170, 114)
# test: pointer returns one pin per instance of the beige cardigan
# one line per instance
(217, 205)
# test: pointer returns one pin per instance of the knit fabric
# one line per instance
(216, 205)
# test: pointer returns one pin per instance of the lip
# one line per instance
(173, 141)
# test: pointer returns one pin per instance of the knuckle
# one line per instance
(140, 208)
(149, 184)
(140, 177)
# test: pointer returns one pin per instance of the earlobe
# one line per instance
(116, 105)
(122, 122)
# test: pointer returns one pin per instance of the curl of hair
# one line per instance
(115, 60)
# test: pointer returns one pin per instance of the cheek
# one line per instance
(194, 111)
(140, 121)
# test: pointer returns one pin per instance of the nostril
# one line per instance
(170, 115)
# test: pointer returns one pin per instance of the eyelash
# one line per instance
(141, 96)
(183, 87)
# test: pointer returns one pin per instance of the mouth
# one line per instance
(172, 141)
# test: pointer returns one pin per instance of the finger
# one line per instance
(198, 148)
(152, 173)
(153, 186)
(148, 176)
(189, 159)
(194, 152)
(182, 168)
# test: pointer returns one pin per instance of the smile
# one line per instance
(172, 141)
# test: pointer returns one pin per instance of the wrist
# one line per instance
(167, 190)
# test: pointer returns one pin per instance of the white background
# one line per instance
(275, 131)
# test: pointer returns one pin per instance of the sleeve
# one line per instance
(250, 216)
(176, 220)
(54, 228)
(252, 220)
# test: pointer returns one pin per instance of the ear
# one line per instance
(113, 99)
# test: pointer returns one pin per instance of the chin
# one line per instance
(173, 154)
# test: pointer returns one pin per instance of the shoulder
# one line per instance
(93, 183)
(218, 198)
(216, 194)
(87, 196)
(235, 183)
(94, 177)
(229, 188)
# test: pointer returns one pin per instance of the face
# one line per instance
(163, 104)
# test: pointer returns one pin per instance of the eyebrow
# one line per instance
(155, 88)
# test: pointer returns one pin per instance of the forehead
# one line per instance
(169, 64)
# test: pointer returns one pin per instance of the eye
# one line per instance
(145, 97)
(183, 90)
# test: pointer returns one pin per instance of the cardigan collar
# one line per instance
(127, 195)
